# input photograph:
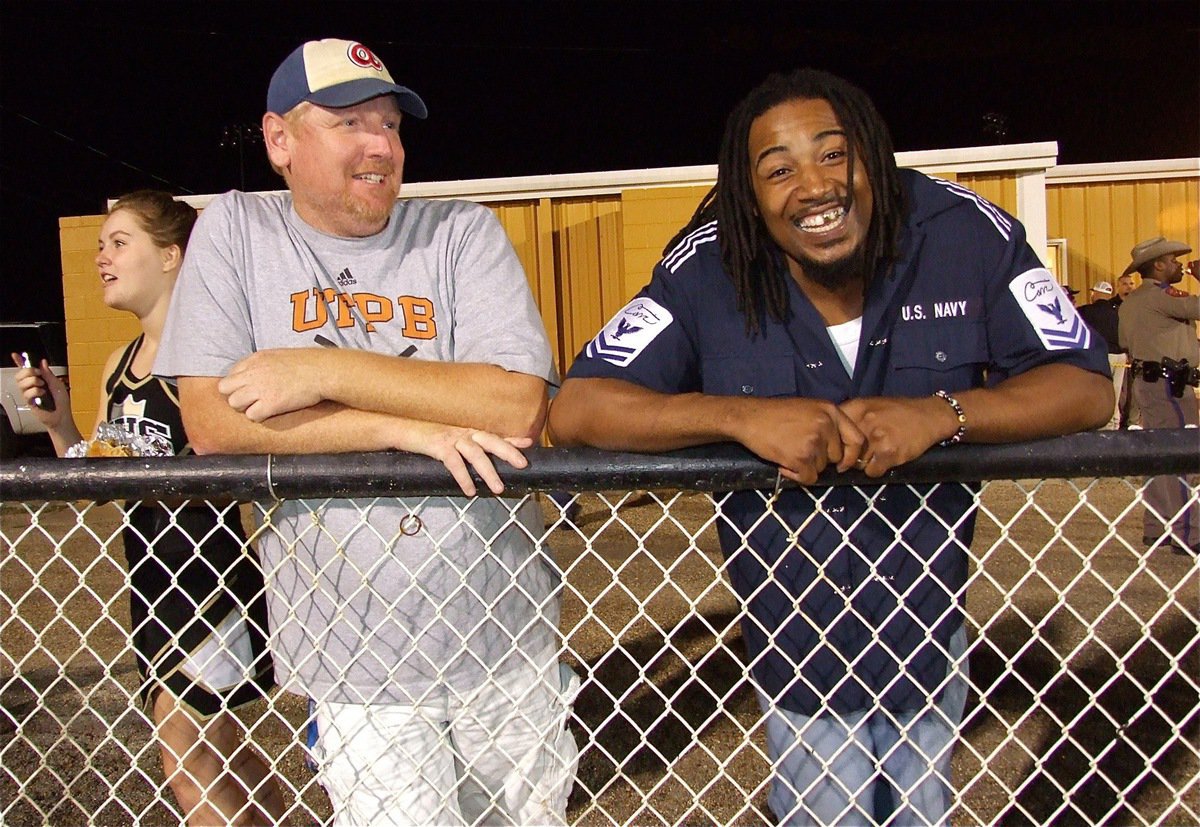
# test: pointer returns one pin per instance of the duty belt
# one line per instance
(1177, 375)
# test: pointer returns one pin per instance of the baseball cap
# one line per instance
(335, 73)
(1102, 287)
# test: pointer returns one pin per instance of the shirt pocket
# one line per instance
(946, 355)
(740, 376)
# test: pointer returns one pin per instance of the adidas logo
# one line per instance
(345, 278)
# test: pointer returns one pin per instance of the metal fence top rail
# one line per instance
(706, 468)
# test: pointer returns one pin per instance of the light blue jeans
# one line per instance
(867, 768)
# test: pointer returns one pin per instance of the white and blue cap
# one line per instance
(336, 73)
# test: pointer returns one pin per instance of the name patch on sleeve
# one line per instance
(1049, 311)
(629, 332)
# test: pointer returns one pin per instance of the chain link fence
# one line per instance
(1083, 644)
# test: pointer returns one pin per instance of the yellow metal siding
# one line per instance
(652, 217)
(529, 225)
(999, 188)
(1101, 223)
(586, 257)
(588, 269)
(1121, 223)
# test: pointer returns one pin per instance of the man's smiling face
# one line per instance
(799, 168)
(344, 166)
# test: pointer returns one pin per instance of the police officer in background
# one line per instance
(1101, 315)
(1157, 325)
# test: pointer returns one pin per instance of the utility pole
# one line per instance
(239, 136)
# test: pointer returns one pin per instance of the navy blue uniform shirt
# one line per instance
(853, 593)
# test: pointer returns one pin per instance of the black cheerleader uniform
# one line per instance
(196, 599)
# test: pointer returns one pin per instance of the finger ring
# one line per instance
(861, 463)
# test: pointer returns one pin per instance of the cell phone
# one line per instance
(46, 400)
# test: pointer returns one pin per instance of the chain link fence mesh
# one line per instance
(1084, 652)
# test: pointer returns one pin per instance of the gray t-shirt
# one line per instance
(360, 610)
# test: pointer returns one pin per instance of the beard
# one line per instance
(350, 216)
(367, 213)
(343, 213)
(835, 275)
(372, 212)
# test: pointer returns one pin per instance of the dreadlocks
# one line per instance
(747, 251)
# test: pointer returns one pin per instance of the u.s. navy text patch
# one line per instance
(1049, 310)
(629, 332)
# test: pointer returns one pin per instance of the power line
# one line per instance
(96, 150)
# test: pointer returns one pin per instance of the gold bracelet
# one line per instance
(962, 418)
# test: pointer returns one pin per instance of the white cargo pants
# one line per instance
(501, 755)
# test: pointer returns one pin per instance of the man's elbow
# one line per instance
(562, 420)
(200, 448)
(555, 431)
(531, 420)
(1102, 414)
(524, 412)
(202, 437)
(1100, 400)
(200, 408)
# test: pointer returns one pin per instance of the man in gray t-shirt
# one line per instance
(336, 318)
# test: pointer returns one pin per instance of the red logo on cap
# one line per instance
(360, 55)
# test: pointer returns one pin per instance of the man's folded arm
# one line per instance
(469, 394)
(329, 427)
(473, 395)
(623, 416)
(1049, 400)
(802, 436)
(215, 428)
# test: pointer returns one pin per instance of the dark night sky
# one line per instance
(100, 98)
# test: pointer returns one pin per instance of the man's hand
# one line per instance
(456, 448)
(801, 436)
(272, 382)
(898, 429)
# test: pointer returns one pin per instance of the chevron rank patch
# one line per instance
(1049, 310)
(629, 332)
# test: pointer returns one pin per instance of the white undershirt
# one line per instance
(846, 336)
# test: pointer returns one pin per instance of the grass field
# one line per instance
(1085, 664)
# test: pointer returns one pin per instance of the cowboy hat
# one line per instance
(1151, 249)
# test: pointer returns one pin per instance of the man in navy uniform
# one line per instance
(824, 308)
